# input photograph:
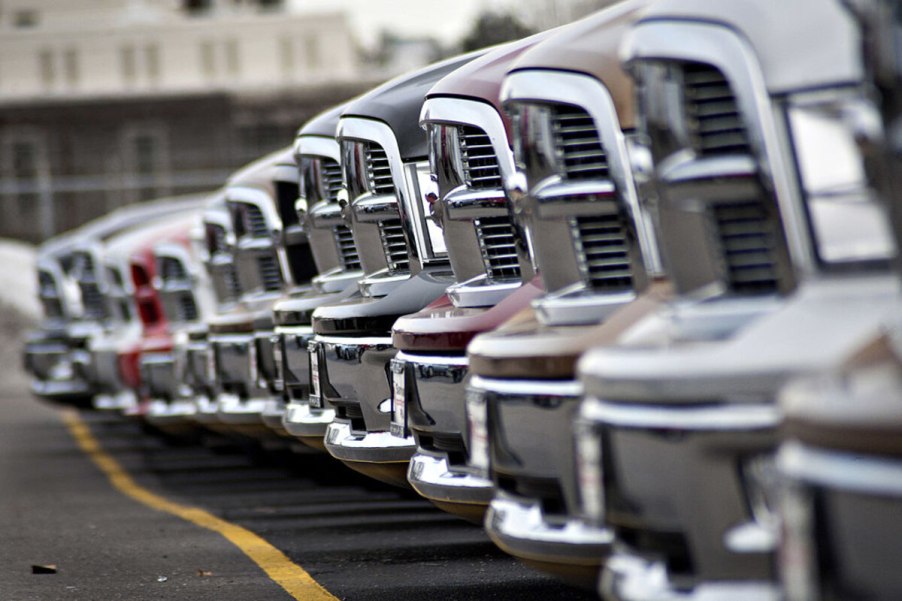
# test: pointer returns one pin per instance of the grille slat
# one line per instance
(712, 113)
(216, 238)
(577, 143)
(498, 247)
(92, 299)
(379, 170)
(394, 245)
(233, 285)
(187, 308)
(254, 221)
(603, 246)
(331, 174)
(347, 249)
(270, 275)
(747, 238)
(480, 163)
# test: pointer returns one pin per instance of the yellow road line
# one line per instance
(287, 574)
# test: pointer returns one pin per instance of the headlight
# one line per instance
(478, 433)
(848, 221)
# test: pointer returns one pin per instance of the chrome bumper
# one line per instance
(434, 478)
(161, 413)
(844, 508)
(629, 578)
(236, 411)
(353, 379)
(520, 527)
(294, 363)
(122, 401)
(345, 444)
(158, 374)
(304, 421)
(59, 372)
(532, 462)
(432, 407)
(684, 474)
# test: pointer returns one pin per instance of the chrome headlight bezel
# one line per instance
(828, 129)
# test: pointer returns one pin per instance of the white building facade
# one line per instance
(79, 48)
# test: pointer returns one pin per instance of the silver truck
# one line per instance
(779, 254)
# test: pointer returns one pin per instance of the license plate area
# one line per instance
(477, 430)
(399, 399)
(316, 397)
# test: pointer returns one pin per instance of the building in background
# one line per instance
(107, 102)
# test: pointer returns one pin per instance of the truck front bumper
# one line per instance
(432, 391)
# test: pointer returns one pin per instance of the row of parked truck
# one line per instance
(625, 292)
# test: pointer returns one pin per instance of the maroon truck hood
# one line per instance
(442, 327)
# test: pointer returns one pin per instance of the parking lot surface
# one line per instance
(359, 539)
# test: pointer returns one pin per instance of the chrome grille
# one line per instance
(378, 170)
(394, 245)
(49, 295)
(748, 239)
(577, 144)
(347, 250)
(712, 115)
(114, 277)
(602, 245)
(171, 269)
(92, 299)
(232, 284)
(331, 174)
(254, 223)
(480, 164)
(270, 275)
(187, 308)
(498, 247)
(287, 194)
(216, 238)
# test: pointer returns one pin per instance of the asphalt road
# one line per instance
(362, 540)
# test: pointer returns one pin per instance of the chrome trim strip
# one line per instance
(845, 470)
(319, 146)
(719, 417)
(526, 388)
(459, 360)
(352, 340)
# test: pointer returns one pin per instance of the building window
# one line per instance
(71, 67)
(208, 60)
(233, 58)
(197, 7)
(146, 162)
(152, 62)
(24, 168)
(25, 18)
(311, 52)
(128, 63)
(271, 4)
(47, 69)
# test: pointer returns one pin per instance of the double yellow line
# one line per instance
(287, 574)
